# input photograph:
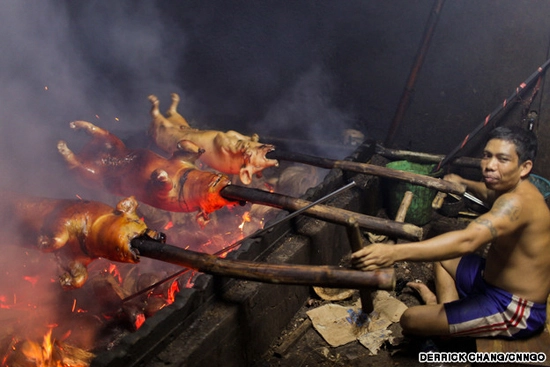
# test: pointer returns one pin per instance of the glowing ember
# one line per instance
(140, 319)
(113, 270)
(174, 289)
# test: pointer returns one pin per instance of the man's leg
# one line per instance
(431, 319)
(445, 275)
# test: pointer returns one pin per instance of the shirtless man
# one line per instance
(505, 294)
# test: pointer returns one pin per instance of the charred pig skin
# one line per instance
(228, 152)
(77, 231)
(173, 184)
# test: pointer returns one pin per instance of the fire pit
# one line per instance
(132, 315)
(221, 321)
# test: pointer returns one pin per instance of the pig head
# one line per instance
(174, 184)
(227, 152)
(77, 231)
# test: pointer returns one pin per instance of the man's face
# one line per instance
(500, 166)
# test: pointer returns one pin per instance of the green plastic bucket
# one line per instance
(420, 211)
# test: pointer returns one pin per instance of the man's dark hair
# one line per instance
(524, 140)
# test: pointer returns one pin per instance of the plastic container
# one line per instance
(420, 212)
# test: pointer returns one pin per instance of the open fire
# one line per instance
(44, 325)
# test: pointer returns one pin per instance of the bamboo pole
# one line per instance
(501, 108)
(321, 276)
(415, 70)
(327, 213)
(371, 169)
(420, 157)
(356, 242)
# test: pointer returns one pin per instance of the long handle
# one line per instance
(321, 276)
(504, 105)
(371, 169)
(327, 213)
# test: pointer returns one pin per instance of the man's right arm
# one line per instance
(478, 189)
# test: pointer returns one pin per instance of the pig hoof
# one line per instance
(175, 102)
(77, 125)
(66, 281)
(75, 277)
(63, 148)
(154, 105)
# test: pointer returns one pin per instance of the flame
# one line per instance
(41, 355)
(174, 289)
(49, 353)
(169, 225)
(246, 219)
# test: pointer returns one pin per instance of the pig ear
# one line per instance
(128, 205)
(245, 176)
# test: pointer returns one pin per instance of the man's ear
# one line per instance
(525, 168)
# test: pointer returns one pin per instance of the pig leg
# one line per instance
(86, 172)
(102, 139)
(160, 123)
(155, 112)
(173, 115)
(75, 276)
(55, 241)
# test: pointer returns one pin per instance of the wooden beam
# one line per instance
(327, 213)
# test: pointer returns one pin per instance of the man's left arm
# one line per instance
(502, 219)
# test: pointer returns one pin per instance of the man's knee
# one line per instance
(407, 322)
(424, 320)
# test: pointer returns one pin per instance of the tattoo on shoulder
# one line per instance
(487, 223)
(506, 208)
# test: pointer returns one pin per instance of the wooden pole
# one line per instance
(321, 276)
(371, 169)
(327, 213)
(356, 242)
(419, 60)
(419, 157)
(404, 207)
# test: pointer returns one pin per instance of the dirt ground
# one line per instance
(300, 345)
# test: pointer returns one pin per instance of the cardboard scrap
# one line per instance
(373, 341)
(387, 306)
(340, 325)
(331, 321)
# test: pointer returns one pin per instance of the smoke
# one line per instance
(248, 67)
(68, 61)
(245, 67)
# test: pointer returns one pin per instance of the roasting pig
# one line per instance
(173, 184)
(77, 231)
(228, 152)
